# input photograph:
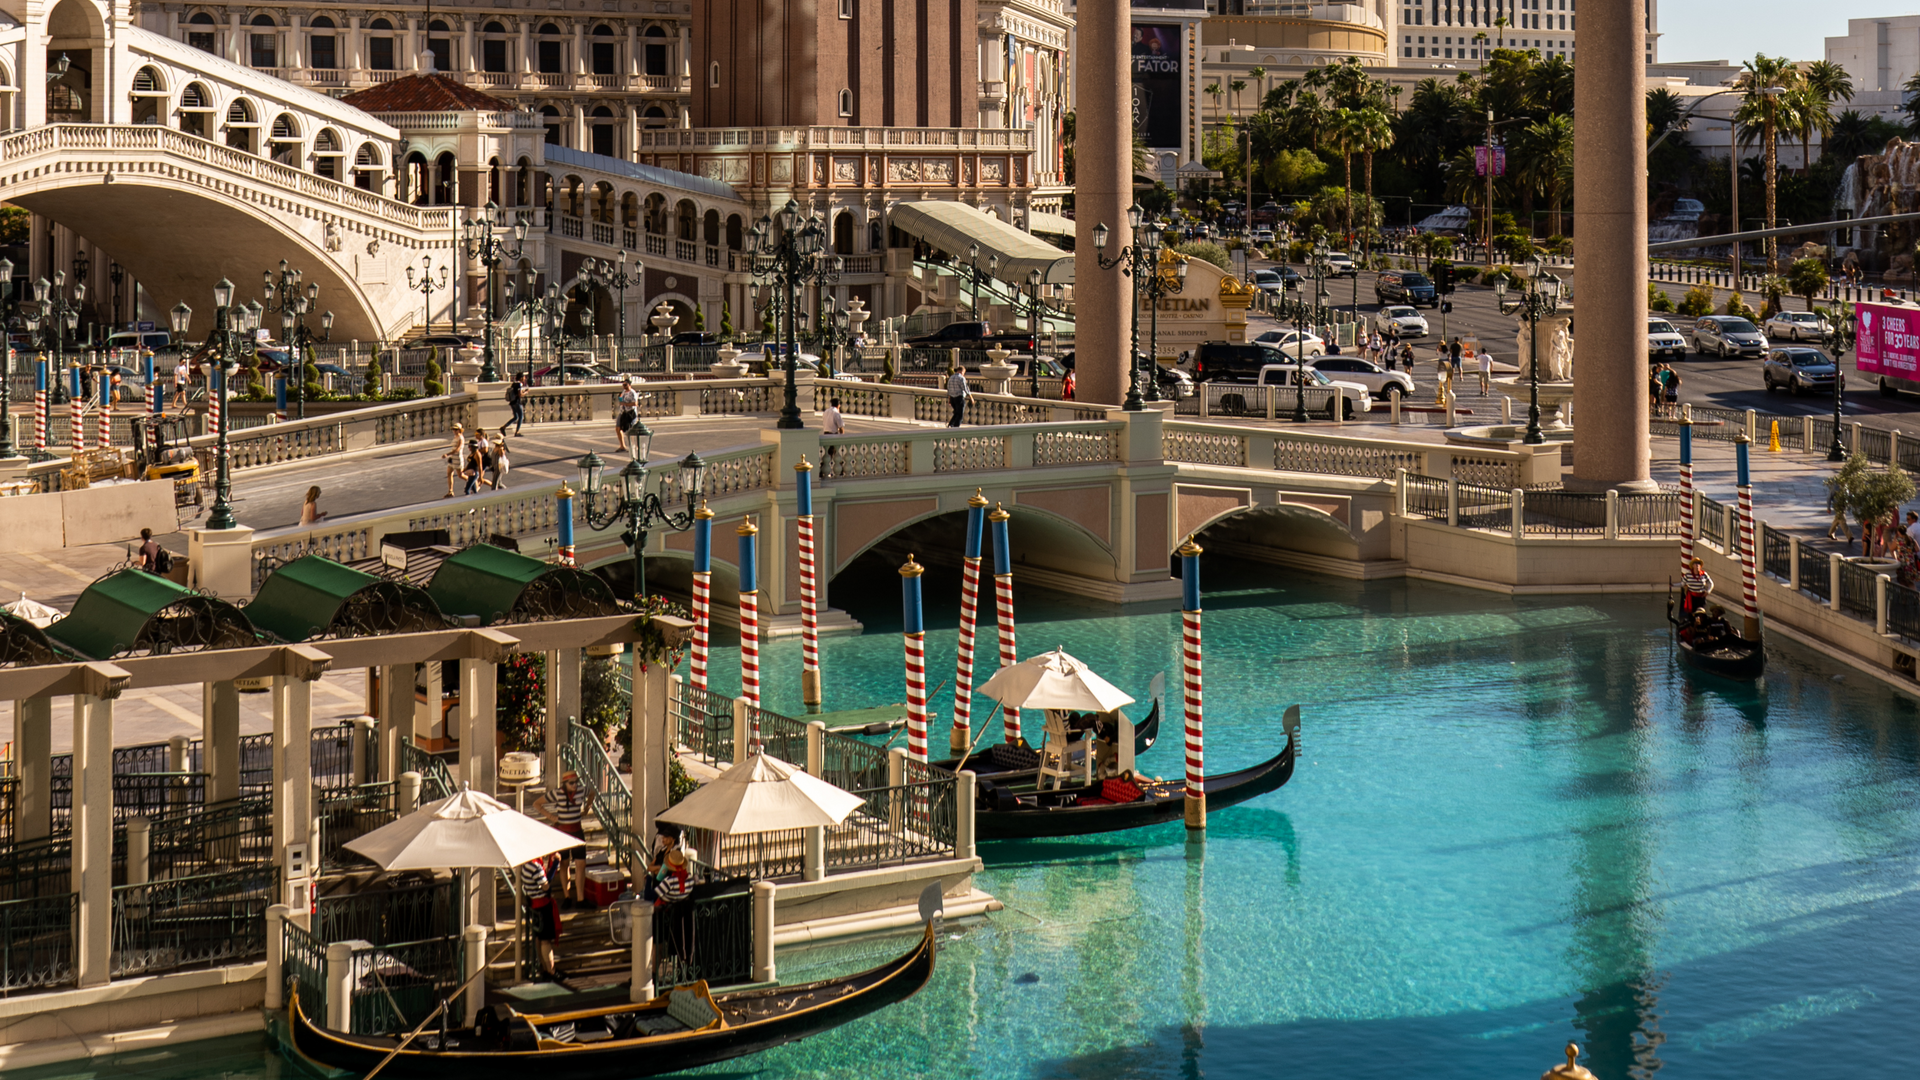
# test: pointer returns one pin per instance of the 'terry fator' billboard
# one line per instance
(1887, 340)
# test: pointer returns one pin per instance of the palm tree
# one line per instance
(1853, 135)
(1308, 118)
(1500, 29)
(1762, 109)
(1375, 130)
(1344, 128)
(1480, 39)
(1811, 113)
(1545, 148)
(1259, 76)
(1236, 86)
(1213, 90)
(1665, 110)
(1832, 84)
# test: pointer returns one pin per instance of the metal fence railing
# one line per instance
(436, 781)
(36, 869)
(1903, 611)
(346, 814)
(1857, 591)
(895, 824)
(1816, 572)
(183, 922)
(703, 722)
(380, 915)
(1426, 497)
(219, 836)
(396, 986)
(1776, 553)
(612, 800)
(707, 936)
(1713, 522)
(36, 941)
(305, 960)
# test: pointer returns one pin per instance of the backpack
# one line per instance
(163, 561)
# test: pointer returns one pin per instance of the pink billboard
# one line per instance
(1888, 340)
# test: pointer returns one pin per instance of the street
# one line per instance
(1726, 384)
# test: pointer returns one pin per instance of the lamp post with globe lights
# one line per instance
(1540, 298)
(792, 259)
(486, 246)
(1131, 261)
(642, 510)
(284, 295)
(231, 324)
(1840, 336)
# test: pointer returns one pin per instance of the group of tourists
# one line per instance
(472, 458)
(1663, 391)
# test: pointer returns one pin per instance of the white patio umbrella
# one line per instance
(467, 830)
(1054, 680)
(763, 794)
(32, 611)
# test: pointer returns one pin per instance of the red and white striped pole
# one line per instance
(915, 632)
(750, 629)
(1190, 682)
(809, 590)
(1686, 490)
(214, 418)
(41, 418)
(76, 414)
(1749, 553)
(962, 738)
(108, 382)
(1003, 607)
(702, 595)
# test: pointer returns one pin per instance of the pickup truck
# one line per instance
(968, 335)
(1354, 396)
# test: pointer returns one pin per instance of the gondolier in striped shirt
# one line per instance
(1694, 588)
(565, 807)
(541, 912)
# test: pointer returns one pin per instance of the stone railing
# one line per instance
(898, 401)
(1312, 452)
(840, 137)
(945, 450)
(262, 180)
(324, 436)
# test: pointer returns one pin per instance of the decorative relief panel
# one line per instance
(782, 170)
(993, 171)
(846, 170)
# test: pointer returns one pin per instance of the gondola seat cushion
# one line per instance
(1007, 758)
(691, 1008)
(1117, 790)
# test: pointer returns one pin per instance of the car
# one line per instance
(763, 358)
(1800, 370)
(695, 337)
(452, 346)
(1663, 341)
(1405, 287)
(157, 340)
(1798, 326)
(571, 374)
(1292, 342)
(1234, 361)
(1269, 282)
(1402, 320)
(1354, 397)
(133, 385)
(966, 334)
(1728, 335)
(1263, 236)
(1378, 380)
(1340, 264)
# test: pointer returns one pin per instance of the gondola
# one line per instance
(1002, 758)
(686, 1027)
(1011, 810)
(1730, 657)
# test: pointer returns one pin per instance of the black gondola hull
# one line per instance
(1159, 807)
(1738, 659)
(886, 985)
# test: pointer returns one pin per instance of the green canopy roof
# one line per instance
(313, 596)
(493, 585)
(23, 643)
(132, 610)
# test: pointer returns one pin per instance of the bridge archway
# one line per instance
(1040, 539)
(1293, 527)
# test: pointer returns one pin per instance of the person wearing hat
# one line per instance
(456, 457)
(675, 879)
(565, 807)
(541, 913)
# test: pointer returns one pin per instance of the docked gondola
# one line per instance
(684, 1028)
(1018, 808)
(1004, 758)
(1714, 648)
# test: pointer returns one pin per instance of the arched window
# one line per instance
(440, 45)
(600, 130)
(551, 117)
(322, 44)
(549, 47)
(327, 154)
(380, 45)
(283, 140)
(846, 102)
(263, 42)
(200, 32)
(241, 126)
(196, 111)
(656, 50)
(367, 167)
(493, 48)
(605, 51)
(148, 82)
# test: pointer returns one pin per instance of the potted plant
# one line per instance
(1869, 494)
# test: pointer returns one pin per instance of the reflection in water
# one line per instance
(1193, 984)
(1259, 823)
(1615, 928)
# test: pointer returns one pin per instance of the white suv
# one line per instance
(1797, 326)
(1354, 397)
(1359, 369)
(1663, 341)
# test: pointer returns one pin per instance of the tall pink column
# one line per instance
(1103, 189)
(1610, 190)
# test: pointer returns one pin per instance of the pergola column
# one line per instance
(293, 783)
(396, 716)
(429, 717)
(478, 724)
(93, 836)
(220, 740)
(33, 750)
(650, 726)
(563, 705)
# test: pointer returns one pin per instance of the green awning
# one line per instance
(496, 585)
(313, 596)
(132, 611)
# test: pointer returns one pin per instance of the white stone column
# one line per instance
(468, 61)
(563, 704)
(294, 55)
(526, 47)
(429, 718)
(475, 961)
(356, 48)
(579, 65)
(220, 740)
(293, 783)
(1103, 174)
(652, 740)
(396, 716)
(478, 724)
(33, 750)
(640, 928)
(92, 822)
(236, 41)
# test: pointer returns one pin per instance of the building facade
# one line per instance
(1881, 55)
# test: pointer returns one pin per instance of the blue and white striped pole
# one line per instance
(563, 523)
(914, 631)
(156, 401)
(962, 738)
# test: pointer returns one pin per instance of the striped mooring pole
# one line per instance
(1749, 555)
(156, 401)
(962, 736)
(1190, 682)
(702, 596)
(76, 412)
(1686, 490)
(809, 589)
(108, 381)
(1003, 608)
(563, 523)
(750, 629)
(914, 631)
(41, 419)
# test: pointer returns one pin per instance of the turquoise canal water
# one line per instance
(1517, 822)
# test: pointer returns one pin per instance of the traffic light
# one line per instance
(1443, 278)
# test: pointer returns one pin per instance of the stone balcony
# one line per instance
(493, 82)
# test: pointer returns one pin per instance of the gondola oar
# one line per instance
(437, 1010)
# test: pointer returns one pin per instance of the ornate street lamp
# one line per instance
(1131, 261)
(10, 306)
(231, 324)
(426, 287)
(1303, 320)
(284, 295)
(1033, 333)
(1839, 341)
(485, 245)
(1162, 280)
(1541, 297)
(792, 259)
(642, 510)
(54, 308)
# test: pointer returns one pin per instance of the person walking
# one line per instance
(498, 463)
(182, 375)
(1486, 372)
(456, 457)
(1669, 390)
(957, 394)
(629, 410)
(1839, 522)
(1453, 355)
(834, 423)
(516, 401)
(565, 807)
(310, 512)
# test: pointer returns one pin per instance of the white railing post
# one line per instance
(1400, 492)
(740, 726)
(1753, 424)
(1506, 409)
(473, 961)
(1613, 513)
(1834, 560)
(1519, 513)
(340, 980)
(407, 794)
(1453, 501)
(1393, 408)
(963, 807)
(1793, 563)
(1853, 437)
(816, 746)
(763, 894)
(1880, 582)
(276, 990)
